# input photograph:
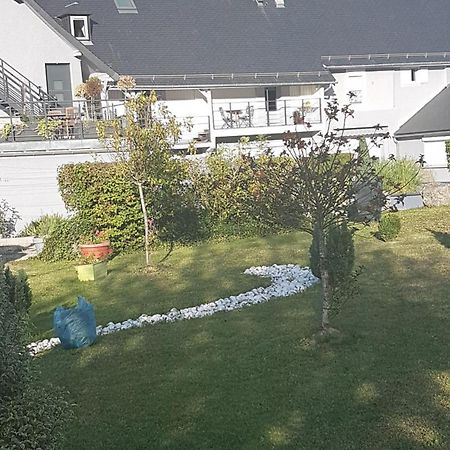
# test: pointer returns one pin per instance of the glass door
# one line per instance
(59, 83)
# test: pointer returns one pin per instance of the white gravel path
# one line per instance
(287, 280)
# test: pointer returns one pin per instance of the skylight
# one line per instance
(125, 6)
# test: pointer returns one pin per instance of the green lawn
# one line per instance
(253, 378)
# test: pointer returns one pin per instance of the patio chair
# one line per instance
(226, 120)
(247, 118)
(69, 121)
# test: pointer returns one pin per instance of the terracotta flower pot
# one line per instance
(97, 251)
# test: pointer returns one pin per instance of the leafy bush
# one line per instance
(400, 176)
(42, 227)
(240, 195)
(62, 244)
(17, 291)
(48, 128)
(99, 194)
(389, 227)
(32, 416)
(8, 219)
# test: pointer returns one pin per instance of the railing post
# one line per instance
(285, 113)
(5, 82)
(13, 134)
(249, 112)
(209, 128)
(320, 110)
(268, 113)
(231, 117)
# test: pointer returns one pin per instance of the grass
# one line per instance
(254, 379)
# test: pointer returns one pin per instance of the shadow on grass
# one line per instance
(252, 379)
(442, 238)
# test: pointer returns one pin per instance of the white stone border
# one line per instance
(286, 280)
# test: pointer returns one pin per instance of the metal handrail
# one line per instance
(76, 120)
(260, 113)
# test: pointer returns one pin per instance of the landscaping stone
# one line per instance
(287, 280)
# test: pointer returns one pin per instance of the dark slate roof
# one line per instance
(178, 37)
(432, 120)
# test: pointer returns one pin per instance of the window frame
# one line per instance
(126, 9)
(85, 19)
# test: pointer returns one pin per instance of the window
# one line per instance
(355, 87)
(125, 6)
(79, 27)
(271, 99)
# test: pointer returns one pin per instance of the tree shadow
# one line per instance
(253, 378)
(442, 238)
(9, 253)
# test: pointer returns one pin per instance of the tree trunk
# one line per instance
(326, 285)
(146, 228)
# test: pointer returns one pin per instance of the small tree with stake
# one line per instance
(142, 141)
(323, 189)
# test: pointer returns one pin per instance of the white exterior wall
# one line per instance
(27, 43)
(29, 183)
(389, 97)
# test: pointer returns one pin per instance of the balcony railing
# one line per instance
(271, 113)
(78, 120)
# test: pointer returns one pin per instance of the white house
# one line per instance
(237, 67)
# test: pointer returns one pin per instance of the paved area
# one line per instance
(16, 249)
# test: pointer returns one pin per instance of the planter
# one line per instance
(96, 251)
(38, 244)
(92, 272)
(410, 201)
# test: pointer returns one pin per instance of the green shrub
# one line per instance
(62, 243)
(32, 416)
(400, 176)
(101, 195)
(340, 254)
(18, 291)
(389, 227)
(8, 219)
(42, 227)
(104, 197)
(240, 195)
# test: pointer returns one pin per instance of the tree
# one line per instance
(143, 142)
(324, 188)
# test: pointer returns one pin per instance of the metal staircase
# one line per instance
(19, 95)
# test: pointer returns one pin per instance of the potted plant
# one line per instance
(95, 245)
(91, 269)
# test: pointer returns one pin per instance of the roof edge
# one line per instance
(399, 132)
(49, 20)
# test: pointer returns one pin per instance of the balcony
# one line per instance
(60, 127)
(70, 127)
(233, 116)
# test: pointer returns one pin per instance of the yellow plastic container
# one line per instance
(92, 272)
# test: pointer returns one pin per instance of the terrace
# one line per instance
(54, 126)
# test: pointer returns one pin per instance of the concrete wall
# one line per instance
(29, 183)
(27, 44)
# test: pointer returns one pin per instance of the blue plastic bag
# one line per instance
(75, 327)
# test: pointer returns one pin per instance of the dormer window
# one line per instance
(79, 27)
